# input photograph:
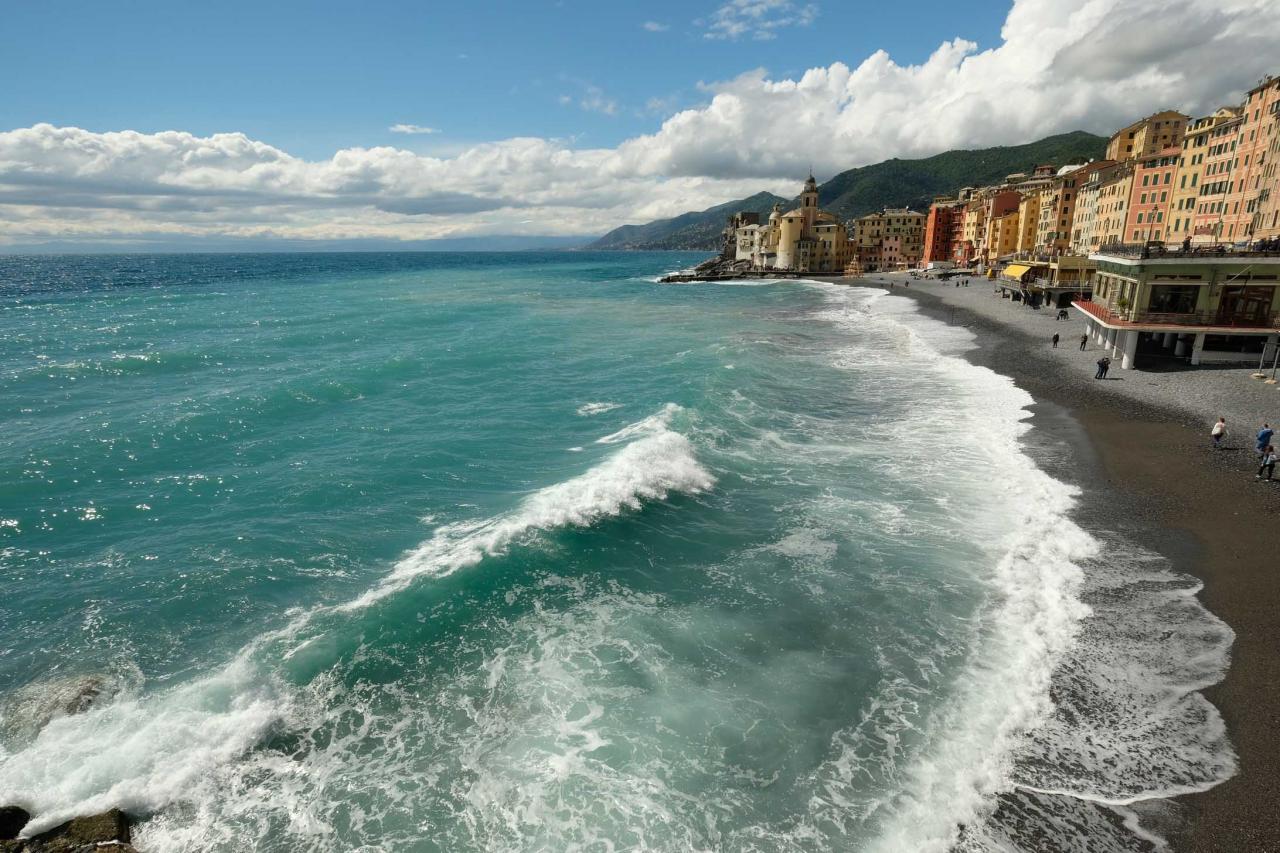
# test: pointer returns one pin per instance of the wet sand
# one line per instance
(1150, 469)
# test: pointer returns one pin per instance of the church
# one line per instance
(803, 240)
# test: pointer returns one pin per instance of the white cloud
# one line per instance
(655, 26)
(758, 19)
(412, 129)
(1061, 65)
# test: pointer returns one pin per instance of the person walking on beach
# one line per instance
(1264, 438)
(1084, 339)
(1055, 340)
(1268, 462)
(1219, 432)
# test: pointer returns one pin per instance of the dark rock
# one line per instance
(12, 819)
(109, 828)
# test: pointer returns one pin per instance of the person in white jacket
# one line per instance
(1219, 432)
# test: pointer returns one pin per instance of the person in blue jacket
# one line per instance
(1264, 438)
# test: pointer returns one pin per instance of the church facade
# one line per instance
(804, 240)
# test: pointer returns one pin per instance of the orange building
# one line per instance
(1245, 178)
(940, 229)
(1149, 196)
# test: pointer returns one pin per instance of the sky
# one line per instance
(159, 124)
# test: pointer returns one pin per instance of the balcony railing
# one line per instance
(1261, 249)
(1108, 314)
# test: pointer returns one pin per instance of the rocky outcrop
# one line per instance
(108, 831)
(12, 819)
(33, 707)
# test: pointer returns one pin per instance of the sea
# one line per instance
(529, 552)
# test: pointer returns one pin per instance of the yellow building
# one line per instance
(1002, 236)
(1145, 137)
(1028, 221)
(1188, 180)
(1113, 200)
(805, 240)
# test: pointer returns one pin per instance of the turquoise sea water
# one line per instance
(521, 552)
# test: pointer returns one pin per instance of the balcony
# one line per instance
(1107, 314)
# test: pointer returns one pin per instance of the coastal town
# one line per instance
(1168, 246)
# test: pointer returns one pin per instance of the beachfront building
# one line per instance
(1149, 193)
(1187, 180)
(1247, 168)
(1146, 136)
(1194, 305)
(1113, 199)
(940, 230)
(1028, 221)
(1002, 237)
(1217, 162)
(804, 240)
(1266, 221)
(892, 239)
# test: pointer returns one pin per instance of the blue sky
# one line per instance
(317, 76)
(179, 124)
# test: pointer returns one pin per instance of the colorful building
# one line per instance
(1149, 195)
(1245, 179)
(890, 240)
(940, 229)
(1185, 196)
(1217, 163)
(1146, 136)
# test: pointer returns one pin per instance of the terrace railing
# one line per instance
(1266, 249)
(1108, 314)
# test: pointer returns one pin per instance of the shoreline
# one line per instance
(1148, 468)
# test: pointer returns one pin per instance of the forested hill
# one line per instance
(893, 183)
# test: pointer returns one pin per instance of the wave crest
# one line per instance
(656, 462)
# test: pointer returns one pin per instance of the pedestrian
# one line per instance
(1268, 462)
(1264, 438)
(1106, 366)
(1102, 368)
(1219, 432)
(1055, 340)
(1084, 339)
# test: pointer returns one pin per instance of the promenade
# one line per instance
(1201, 394)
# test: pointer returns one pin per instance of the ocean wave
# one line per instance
(656, 462)
(144, 753)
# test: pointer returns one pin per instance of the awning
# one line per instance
(1016, 271)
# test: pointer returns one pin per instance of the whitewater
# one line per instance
(527, 552)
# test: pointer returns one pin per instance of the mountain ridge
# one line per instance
(855, 192)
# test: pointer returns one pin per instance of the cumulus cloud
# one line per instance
(758, 19)
(1060, 65)
(412, 129)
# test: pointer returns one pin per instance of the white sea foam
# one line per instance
(586, 410)
(1128, 725)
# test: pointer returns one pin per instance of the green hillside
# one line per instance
(893, 183)
(914, 183)
(695, 230)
